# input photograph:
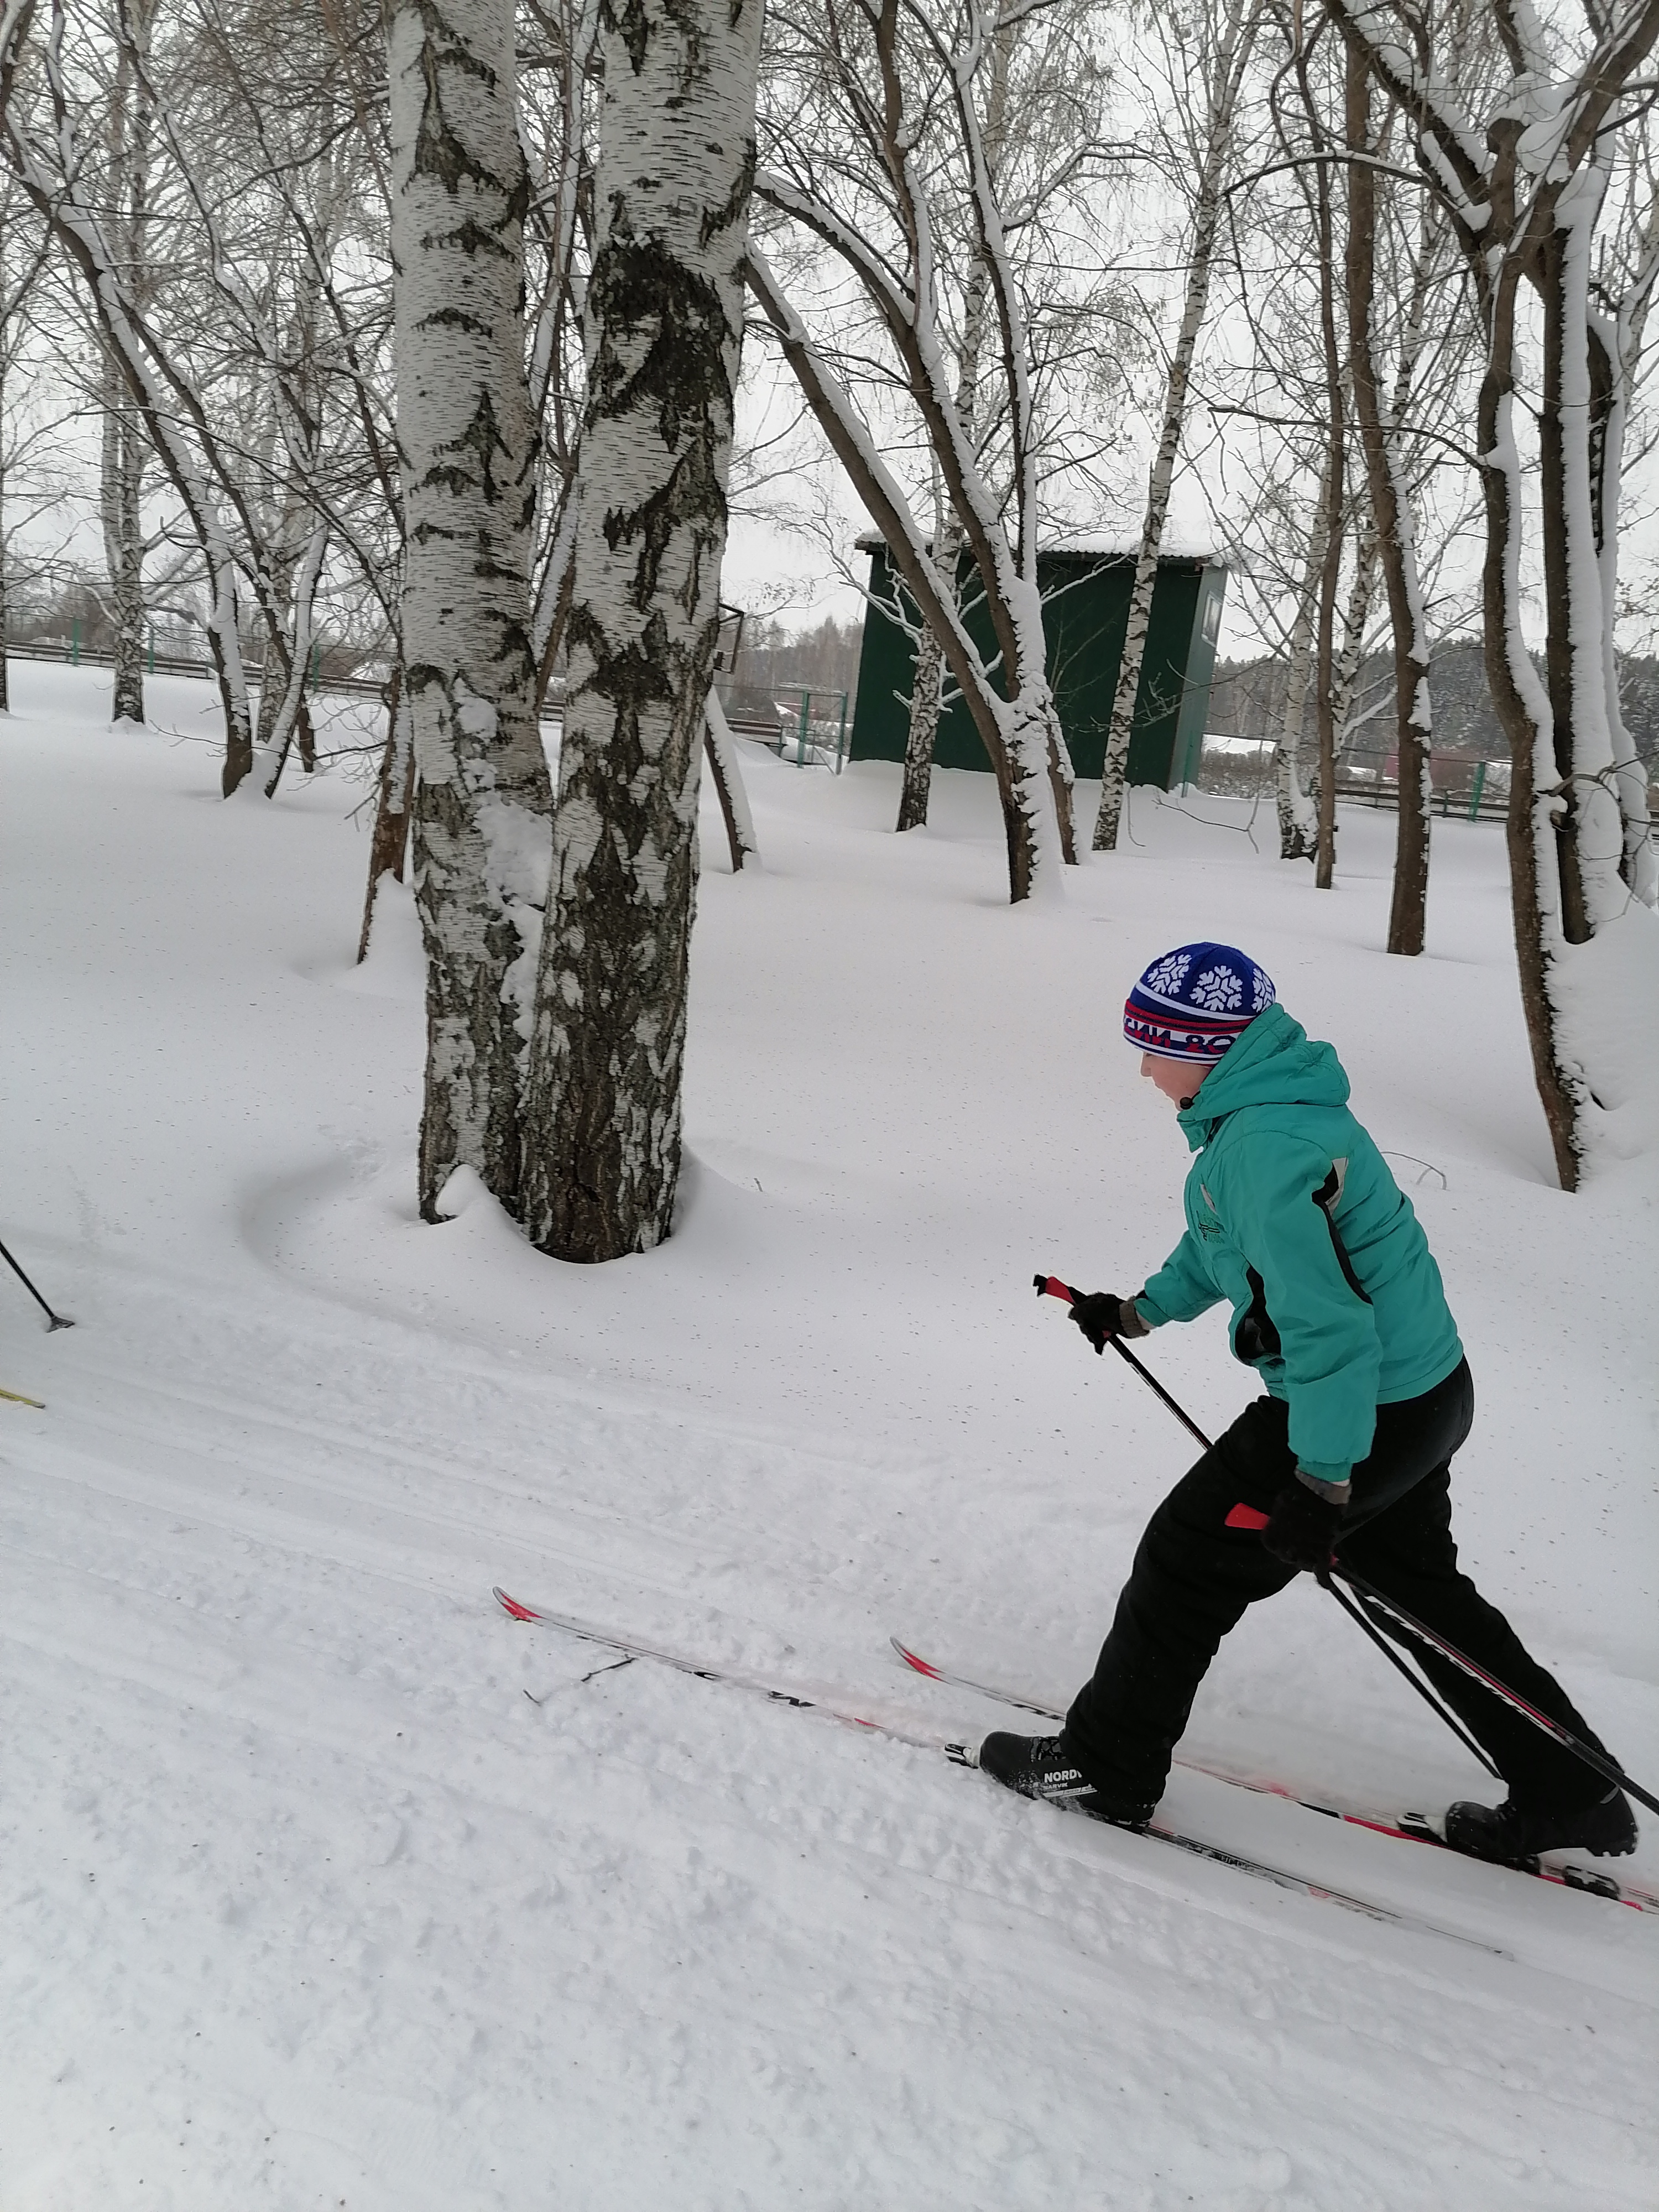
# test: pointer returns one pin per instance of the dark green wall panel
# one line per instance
(1086, 610)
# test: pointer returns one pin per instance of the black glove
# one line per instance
(1100, 1316)
(1302, 1528)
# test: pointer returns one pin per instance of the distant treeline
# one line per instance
(824, 658)
(1247, 700)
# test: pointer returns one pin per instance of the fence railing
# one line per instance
(782, 717)
(71, 652)
(1462, 784)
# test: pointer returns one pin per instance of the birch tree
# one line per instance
(665, 312)
(1523, 180)
(47, 156)
(1388, 478)
(459, 189)
(927, 685)
(124, 448)
(895, 165)
(1224, 33)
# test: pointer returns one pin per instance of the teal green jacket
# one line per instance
(1293, 1217)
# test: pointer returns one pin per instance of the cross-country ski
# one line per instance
(823, 816)
(961, 1754)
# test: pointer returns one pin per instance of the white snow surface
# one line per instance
(307, 1903)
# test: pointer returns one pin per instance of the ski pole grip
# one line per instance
(1050, 1286)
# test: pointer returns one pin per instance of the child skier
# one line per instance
(1293, 1217)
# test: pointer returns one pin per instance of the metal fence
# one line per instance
(803, 726)
(1462, 784)
(72, 651)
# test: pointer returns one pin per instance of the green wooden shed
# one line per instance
(1085, 587)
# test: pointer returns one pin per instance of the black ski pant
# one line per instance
(1194, 1575)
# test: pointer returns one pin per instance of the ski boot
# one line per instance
(1510, 1834)
(1041, 1766)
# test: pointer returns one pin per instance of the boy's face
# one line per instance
(1177, 1079)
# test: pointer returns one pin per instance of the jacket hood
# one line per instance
(1274, 1063)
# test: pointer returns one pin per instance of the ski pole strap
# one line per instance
(1602, 1765)
(1429, 1697)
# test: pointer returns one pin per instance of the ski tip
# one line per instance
(512, 1607)
(912, 1659)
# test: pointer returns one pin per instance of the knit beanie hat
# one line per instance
(1192, 1003)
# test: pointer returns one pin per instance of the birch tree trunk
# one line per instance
(927, 689)
(121, 513)
(1336, 484)
(1615, 352)
(459, 189)
(665, 304)
(1297, 827)
(1356, 614)
(1590, 829)
(727, 772)
(1391, 514)
(1238, 35)
(394, 799)
(123, 454)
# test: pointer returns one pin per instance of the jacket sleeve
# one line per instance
(1327, 1334)
(1182, 1289)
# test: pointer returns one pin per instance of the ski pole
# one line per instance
(1051, 1286)
(17, 1398)
(56, 1320)
(1429, 1697)
(1609, 1768)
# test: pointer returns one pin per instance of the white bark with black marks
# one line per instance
(664, 310)
(122, 458)
(459, 192)
(927, 685)
(1298, 826)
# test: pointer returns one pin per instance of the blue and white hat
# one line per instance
(1193, 1003)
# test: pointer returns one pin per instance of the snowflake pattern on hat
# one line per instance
(1218, 991)
(1193, 1002)
(1166, 975)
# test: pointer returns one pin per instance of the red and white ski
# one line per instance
(961, 1754)
(1410, 1828)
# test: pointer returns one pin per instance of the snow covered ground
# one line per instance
(305, 1902)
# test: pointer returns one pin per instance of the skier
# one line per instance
(1293, 1217)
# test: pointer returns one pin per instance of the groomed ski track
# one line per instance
(959, 1754)
(305, 1901)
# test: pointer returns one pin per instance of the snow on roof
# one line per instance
(1107, 543)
